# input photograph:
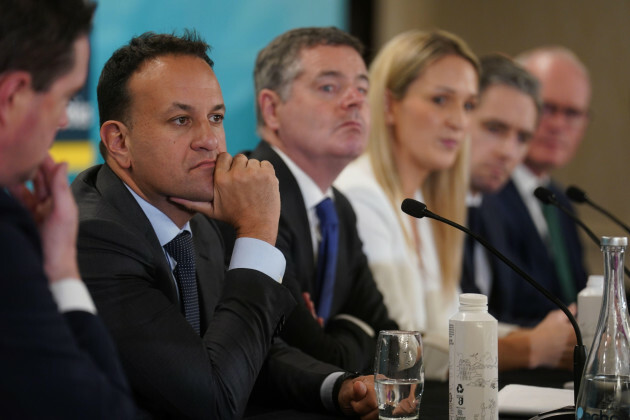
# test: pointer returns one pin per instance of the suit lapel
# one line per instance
(293, 218)
(116, 194)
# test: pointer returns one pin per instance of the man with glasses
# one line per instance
(546, 240)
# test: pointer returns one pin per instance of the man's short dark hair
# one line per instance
(112, 91)
(278, 64)
(37, 36)
(497, 69)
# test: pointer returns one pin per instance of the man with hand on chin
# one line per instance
(194, 337)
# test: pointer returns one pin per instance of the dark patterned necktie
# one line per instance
(559, 253)
(182, 250)
(326, 256)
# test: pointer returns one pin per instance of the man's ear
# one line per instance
(114, 136)
(268, 102)
(15, 94)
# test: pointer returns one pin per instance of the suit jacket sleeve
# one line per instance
(291, 378)
(64, 366)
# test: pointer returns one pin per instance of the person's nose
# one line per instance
(64, 120)
(207, 137)
(353, 97)
(458, 118)
(553, 121)
(510, 146)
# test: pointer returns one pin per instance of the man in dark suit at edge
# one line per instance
(544, 239)
(313, 117)
(503, 124)
(193, 337)
(56, 357)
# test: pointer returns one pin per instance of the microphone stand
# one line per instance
(547, 197)
(419, 210)
(579, 196)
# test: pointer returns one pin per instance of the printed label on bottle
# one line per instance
(473, 373)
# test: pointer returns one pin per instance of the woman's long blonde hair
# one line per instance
(395, 67)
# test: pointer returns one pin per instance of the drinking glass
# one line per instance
(399, 374)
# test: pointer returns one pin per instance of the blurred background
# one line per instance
(598, 32)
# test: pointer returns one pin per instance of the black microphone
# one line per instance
(419, 210)
(547, 197)
(579, 196)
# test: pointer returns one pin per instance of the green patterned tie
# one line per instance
(559, 252)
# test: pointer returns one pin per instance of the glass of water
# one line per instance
(399, 374)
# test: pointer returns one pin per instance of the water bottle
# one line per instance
(473, 361)
(605, 387)
(589, 304)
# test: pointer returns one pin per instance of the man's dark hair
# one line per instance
(37, 36)
(112, 91)
(497, 69)
(278, 64)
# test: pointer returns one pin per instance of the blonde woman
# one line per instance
(423, 86)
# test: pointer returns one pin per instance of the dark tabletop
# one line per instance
(434, 404)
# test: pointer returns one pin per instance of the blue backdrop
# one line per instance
(236, 30)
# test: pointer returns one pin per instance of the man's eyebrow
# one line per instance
(338, 74)
(186, 107)
(179, 105)
(495, 123)
(329, 73)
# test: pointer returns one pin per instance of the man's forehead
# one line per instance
(508, 106)
(330, 58)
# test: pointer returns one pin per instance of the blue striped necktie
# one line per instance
(326, 256)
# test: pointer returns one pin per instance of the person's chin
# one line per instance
(354, 146)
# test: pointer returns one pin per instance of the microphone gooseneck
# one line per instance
(419, 210)
(579, 196)
(547, 197)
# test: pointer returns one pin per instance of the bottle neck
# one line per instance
(614, 299)
(473, 308)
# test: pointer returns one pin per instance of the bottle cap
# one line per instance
(614, 240)
(596, 281)
(473, 299)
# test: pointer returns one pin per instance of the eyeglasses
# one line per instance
(571, 115)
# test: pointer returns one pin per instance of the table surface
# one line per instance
(434, 404)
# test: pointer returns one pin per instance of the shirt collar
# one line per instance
(164, 227)
(526, 181)
(473, 199)
(311, 193)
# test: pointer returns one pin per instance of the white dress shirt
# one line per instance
(526, 183)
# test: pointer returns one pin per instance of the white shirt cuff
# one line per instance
(326, 390)
(258, 255)
(72, 295)
(504, 329)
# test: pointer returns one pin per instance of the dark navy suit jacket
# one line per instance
(52, 365)
(504, 282)
(342, 342)
(174, 372)
(518, 237)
